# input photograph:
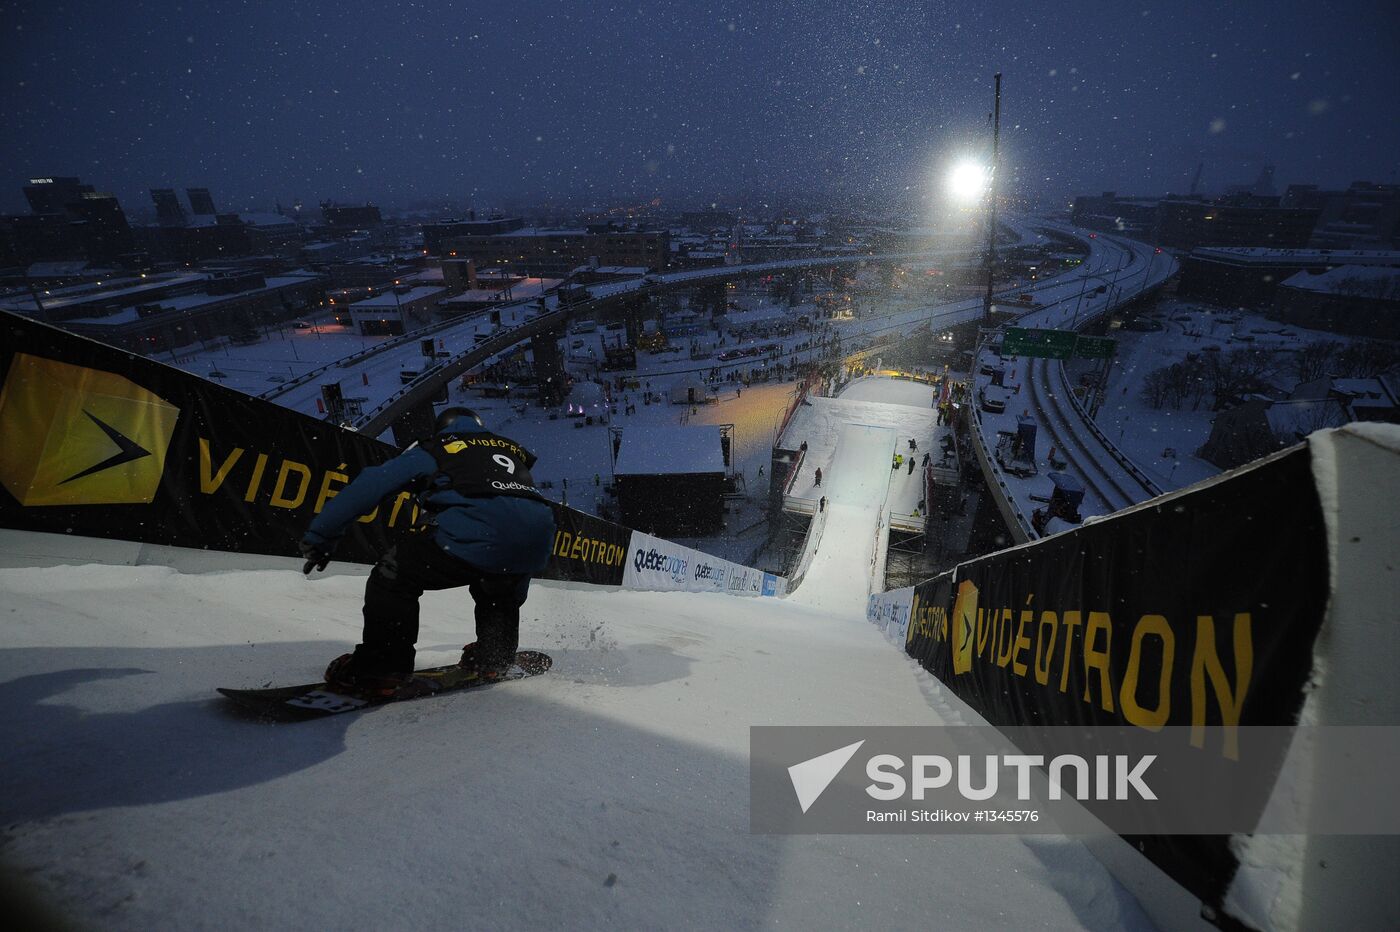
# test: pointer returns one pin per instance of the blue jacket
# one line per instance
(500, 534)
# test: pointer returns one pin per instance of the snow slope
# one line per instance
(611, 792)
(856, 484)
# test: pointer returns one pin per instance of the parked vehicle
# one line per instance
(994, 399)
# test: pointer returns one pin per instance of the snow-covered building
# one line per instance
(397, 310)
(1262, 426)
(671, 480)
(159, 312)
(1247, 276)
(1361, 299)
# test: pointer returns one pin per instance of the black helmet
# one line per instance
(450, 416)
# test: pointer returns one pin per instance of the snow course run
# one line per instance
(611, 792)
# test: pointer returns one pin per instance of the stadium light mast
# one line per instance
(992, 202)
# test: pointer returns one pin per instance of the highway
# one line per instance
(1126, 269)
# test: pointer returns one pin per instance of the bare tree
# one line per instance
(1366, 359)
(1237, 373)
(1178, 382)
(1315, 360)
(1199, 383)
(1154, 387)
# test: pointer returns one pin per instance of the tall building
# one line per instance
(1234, 220)
(436, 235)
(1131, 216)
(102, 224)
(201, 202)
(558, 252)
(363, 217)
(53, 195)
(169, 213)
(1364, 216)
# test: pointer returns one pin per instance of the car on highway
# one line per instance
(994, 398)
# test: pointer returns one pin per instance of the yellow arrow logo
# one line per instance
(79, 436)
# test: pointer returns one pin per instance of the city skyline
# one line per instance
(548, 101)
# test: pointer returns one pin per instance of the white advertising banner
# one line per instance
(889, 611)
(657, 564)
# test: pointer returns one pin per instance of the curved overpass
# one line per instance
(1112, 482)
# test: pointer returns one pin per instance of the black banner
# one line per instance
(103, 443)
(587, 549)
(1201, 611)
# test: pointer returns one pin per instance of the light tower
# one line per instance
(992, 202)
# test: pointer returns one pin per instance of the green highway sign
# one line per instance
(1042, 344)
(1094, 348)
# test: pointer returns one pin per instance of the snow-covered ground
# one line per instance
(610, 793)
(1144, 432)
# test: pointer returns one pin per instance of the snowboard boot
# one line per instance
(487, 662)
(342, 675)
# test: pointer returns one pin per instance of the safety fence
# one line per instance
(202, 466)
(1107, 625)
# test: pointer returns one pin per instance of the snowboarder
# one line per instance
(913, 444)
(911, 465)
(488, 528)
(819, 478)
(821, 505)
(803, 448)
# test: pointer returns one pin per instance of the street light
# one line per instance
(968, 181)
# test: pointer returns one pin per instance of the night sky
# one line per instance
(486, 102)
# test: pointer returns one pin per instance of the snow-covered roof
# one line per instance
(188, 302)
(670, 450)
(90, 294)
(393, 299)
(1362, 280)
(633, 270)
(1263, 255)
(1294, 420)
(65, 267)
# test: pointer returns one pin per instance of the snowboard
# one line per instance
(317, 700)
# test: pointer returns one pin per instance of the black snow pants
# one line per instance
(417, 564)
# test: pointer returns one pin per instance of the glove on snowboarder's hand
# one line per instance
(317, 553)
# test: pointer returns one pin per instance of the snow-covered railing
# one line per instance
(811, 543)
(1020, 525)
(1151, 487)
